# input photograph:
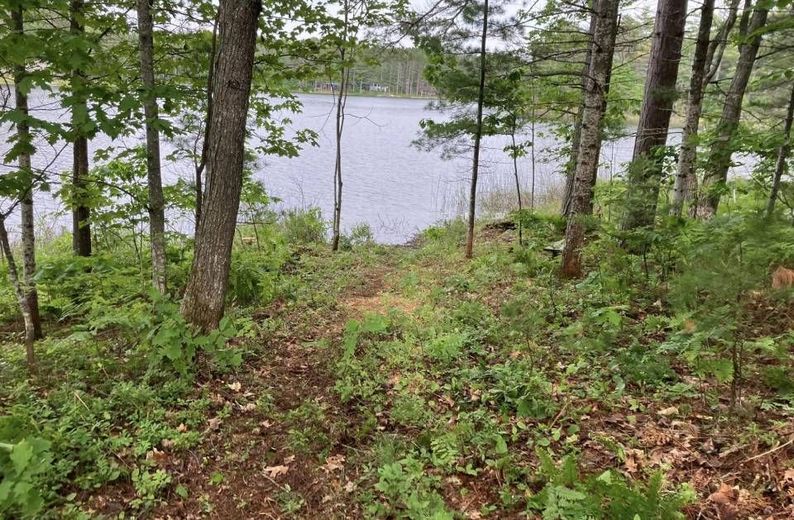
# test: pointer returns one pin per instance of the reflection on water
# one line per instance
(388, 184)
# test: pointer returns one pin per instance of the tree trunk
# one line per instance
(570, 168)
(209, 276)
(716, 48)
(13, 275)
(603, 47)
(341, 102)
(513, 129)
(81, 228)
(28, 229)
(719, 161)
(781, 165)
(205, 143)
(645, 171)
(151, 112)
(475, 163)
(704, 71)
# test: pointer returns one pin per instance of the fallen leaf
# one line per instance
(666, 412)
(181, 428)
(214, 423)
(249, 407)
(275, 471)
(350, 486)
(236, 386)
(157, 456)
(334, 462)
(724, 495)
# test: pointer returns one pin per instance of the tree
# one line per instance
(81, 213)
(781, 164)
(205, 294)
(646, 168)
(719, 159)
(603, 46)
(475, 163)
(23, 141)
(686, 161)
(17, 283)
(459, 69)
(156, 202)
(705, 64)
(570, 167)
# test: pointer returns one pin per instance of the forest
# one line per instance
(178, 342)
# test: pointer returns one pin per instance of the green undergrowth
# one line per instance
(480, 387)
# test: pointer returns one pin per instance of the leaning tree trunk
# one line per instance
(16, 282)
(570, 167)
(596, 85)
(645, 171)
(475, 163)
(209, 276)
(81, 228)
(685, 176)
(781, 165)
(719, 159)
(28, 229)
(151, 112)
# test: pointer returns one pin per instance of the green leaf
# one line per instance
(20, 456)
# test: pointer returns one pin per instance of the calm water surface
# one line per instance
(389, 184)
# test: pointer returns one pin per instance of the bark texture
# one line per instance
(16, 283)
(645, 172)
(341, 103)
(685, 179)
(209, 276)
(151, 112)
(28, 282)
(596, 88)
(781, 164)
(81, 228)
(475, 163)
(719, 159)
(570, 168)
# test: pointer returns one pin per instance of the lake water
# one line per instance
(389, 184)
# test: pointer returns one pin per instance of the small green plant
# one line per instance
(148, 485)
(21, 464)
(408, 492)
(568, 495)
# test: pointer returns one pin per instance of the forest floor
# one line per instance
(407, 382)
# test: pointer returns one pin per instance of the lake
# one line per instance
(389, 184)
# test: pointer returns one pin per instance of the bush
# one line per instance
(304, 227)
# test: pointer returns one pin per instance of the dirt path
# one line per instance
(279, 441)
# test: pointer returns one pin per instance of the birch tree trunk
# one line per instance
(205, 293)
(28, 230)
(603, 47)
(16, 283)
(719, 159)
(475, 164)
(781, 164)
(81, 228)
(151, 112)
(645, 170)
